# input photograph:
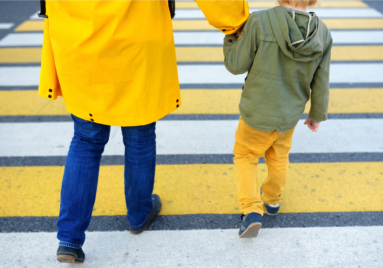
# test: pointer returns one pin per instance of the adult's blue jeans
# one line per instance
(79, 185)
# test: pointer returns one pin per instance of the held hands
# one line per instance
(311, 124)
(239, 34)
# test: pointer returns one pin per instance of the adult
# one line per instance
(114, 63)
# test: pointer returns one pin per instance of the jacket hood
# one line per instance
(297, 33)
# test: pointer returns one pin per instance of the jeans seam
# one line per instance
(141, 224)
(70, 245)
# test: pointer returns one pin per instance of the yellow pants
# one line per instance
(250, 145)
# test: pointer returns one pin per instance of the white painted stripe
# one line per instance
(211, 74)
(194, 137)
(5, 26)
(321, 13)
(339, 73)
(204, 38)
(19, 76)
(22, 40)
(344, 247)
(339, 37)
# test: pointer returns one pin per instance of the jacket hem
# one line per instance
(122, 121)
(265, 129)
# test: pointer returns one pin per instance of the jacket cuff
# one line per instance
(229, 40)
(318, 119)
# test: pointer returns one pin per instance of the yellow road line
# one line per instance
(195, 101)
(20, 55)
(338, 53)
(204, 25)
(202, 189)
(269, 4)
(203, 54)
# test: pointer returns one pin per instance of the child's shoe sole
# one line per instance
(68, 259)
(252, 230)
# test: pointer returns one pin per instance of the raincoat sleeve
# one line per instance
(227, 16)
(320, 87)
(239, 53)
(49, 86)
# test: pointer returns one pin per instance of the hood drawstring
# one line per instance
(293, 15)
(308, 27)
(42, 10)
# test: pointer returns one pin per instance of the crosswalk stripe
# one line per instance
(5, 26)
(194, 137)
(314, 187)
(210, 74)
(321, 13)
(269, 4)
(195, 25)
(216, 38)
(206, 38)
(203, 54)
(199, 101)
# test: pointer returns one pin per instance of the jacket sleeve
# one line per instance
(226, 15)
(49, 86)
(320, 87)
(239, 53)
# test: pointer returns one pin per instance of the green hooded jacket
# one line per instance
(285, 54)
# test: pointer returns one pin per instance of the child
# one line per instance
(286, 51)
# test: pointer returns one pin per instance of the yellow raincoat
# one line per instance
(114, 62)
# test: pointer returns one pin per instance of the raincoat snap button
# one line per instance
(223, 30)
(92, 120)
(178, 105)
(90, 114)
(50, 90)
(229, 40)
(49, 96)
(178, 100)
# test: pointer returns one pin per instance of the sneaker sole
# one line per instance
(271, 214)
(251, 231)
(68, 259)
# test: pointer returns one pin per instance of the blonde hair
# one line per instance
(307, 3)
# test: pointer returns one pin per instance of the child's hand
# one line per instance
(311, 124)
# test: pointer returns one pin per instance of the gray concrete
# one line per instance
(200, 221)
(194, 137)
(341, 247)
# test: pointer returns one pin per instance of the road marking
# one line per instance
(338, 53)
(270, 4)
(313, 187)
(203, 54)
(205, 38)
(6, 26)
(199, 101)
(189, 137)
(321, 13)
(210, 74)
(198, 25)
(20, 55)
(339, 37)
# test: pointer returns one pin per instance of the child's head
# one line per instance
(302, 3)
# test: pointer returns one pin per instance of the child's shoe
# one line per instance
(250, 225)
(272, 210)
